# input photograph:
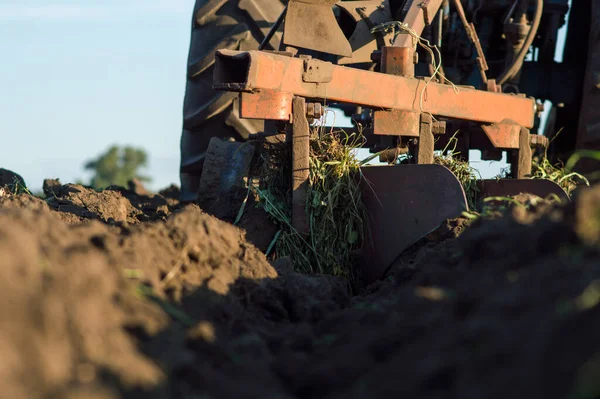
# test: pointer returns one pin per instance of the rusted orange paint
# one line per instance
(503, 135)
(266, 104)
(398, 61)
(372, 89)
(419, 15)
(396, 123)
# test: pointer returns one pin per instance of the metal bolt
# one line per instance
(318, 110)
(438, 127)
(536, 140)
(310, 110)
(314, 110)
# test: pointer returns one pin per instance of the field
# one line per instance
(126, 294)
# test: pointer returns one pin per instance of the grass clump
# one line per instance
(463, 171)
(334, 205)
(562, 174)
(558, 173)
(15, 188)
(465, 175)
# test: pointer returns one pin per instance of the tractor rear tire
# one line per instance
(207, 113)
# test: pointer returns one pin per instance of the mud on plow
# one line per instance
(397, 112)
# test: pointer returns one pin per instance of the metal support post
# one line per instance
(300, 164)
(521, 165)
(426, 142)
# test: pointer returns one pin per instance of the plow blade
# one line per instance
(511, 187)
(405, 203)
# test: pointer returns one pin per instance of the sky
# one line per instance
(77, 76)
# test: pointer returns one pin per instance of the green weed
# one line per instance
(558, 173)
(464, 172)
(334, 207)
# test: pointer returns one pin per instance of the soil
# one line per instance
(126, 294)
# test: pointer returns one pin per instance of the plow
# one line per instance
(372, 59)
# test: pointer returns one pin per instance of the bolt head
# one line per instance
(438, 127)
(318, 110)
(314, 110)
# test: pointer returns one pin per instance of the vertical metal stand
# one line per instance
(521, 166)
(425, 146)
(300, 164)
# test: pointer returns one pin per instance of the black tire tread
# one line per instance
(216, 24)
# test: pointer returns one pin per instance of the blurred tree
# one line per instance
(117, 166)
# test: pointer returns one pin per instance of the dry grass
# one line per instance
(15, 188)
(542, 168)
(464, 172)
(336, 212)
(558, 173)
(334, 206)
(562, 174)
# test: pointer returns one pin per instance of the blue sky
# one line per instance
(79, 75)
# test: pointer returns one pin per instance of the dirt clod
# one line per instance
(137, 187)
(52, 187)
(125, 294)
(11, 180)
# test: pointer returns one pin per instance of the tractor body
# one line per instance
(410, 74)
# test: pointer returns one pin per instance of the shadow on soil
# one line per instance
(185, 307)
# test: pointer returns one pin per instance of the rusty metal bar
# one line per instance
(463, 17)
(426, 143)
(503, 135)
(398, 61)
(396, 123)
(521, 167)
(300, 165)
(472, 34)
(418, 15)
(252, 71)
(266, 104)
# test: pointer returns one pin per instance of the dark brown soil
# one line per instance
(10, 179)
(124, 294)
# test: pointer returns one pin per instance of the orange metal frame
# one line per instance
(257, 71)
